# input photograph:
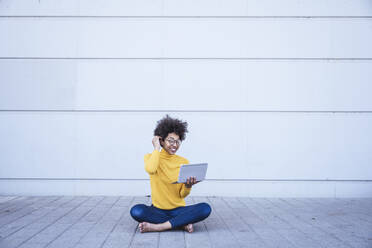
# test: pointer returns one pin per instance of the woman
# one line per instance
(168, 209)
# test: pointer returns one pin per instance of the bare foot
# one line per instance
(146, 227)
(150, 227)
(188, 228)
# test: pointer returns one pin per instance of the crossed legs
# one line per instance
(153, 219)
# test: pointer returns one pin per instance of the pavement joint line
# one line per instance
(13, 199)
(271, 228)
(18, 200)
(53, 221)
(223, 220)
(135, 230)
(15, 231)
(98, 221)
(40, 207)
(307, 222)
(314, 200)
(288, 224)
(98, 202)
(117, 222)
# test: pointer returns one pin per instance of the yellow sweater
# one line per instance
(164, 169)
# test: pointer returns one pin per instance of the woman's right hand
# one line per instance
(156, 142)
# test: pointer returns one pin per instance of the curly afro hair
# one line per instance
(169, 125)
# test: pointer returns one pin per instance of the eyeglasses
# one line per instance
(173, 141)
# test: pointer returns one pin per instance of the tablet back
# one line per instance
(192, 170)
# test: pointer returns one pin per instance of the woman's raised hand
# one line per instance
(156, 142)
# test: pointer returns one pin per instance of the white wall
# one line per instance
(277, 94)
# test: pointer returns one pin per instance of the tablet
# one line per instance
(192, 170)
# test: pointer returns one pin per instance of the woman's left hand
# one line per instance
(190, 182)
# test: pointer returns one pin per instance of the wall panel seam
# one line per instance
(214, 179)
(189, 17)
(191, 58)
(193, 111)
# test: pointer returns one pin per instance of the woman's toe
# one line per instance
(189, 228)
(141, 226)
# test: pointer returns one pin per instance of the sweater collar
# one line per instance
(165, 154)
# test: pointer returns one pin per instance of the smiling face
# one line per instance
(171, 143)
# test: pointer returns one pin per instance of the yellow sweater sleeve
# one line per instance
(184, 191)
(152, 162)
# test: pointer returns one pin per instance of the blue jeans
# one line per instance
(178, 217)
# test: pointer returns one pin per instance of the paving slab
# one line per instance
(105, 222)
